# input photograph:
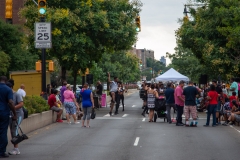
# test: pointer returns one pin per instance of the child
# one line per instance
(233, 97)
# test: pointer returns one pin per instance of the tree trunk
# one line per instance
(74, 81)
(63, 77)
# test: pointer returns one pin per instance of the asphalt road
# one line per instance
(128, 136)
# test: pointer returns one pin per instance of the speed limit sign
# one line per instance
(43, 36)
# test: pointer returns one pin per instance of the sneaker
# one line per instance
(110, 113)
(59, 121)
(225, 124)
(76, 122)
(214, 125)
(14, 152)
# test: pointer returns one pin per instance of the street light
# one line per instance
(185, 10)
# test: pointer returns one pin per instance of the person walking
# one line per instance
(18, 103)
(190, 94)
(179, 102)
(212, 108)
(121, 94)
(151, 96)
(170, 103)
(6, 104)
(70, 104)
(114, 94)
(87, 104)
(62, 90)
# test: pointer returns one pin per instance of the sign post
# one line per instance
(43, 40)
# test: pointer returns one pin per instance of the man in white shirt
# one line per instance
(21, 90)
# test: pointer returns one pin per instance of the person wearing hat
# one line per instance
(70, 104)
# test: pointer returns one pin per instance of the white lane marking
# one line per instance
(125, 115)
(134, 106)
(136, 141)
(144, 119)
(107, 115)
(109, 118)
(234, 128)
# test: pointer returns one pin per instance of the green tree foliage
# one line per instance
(121, 64)
(5, 62)
(84, 29)
(186, 63)
(13, 52)
(212, 34)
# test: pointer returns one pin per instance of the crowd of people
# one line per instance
(187, 98)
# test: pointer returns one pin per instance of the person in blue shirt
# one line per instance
(6, 104)
(169, 94)
(87, 104)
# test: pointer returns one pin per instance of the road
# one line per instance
(128, 136)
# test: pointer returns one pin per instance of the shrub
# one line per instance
(35, 104)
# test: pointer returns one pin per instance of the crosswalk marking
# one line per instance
(134, 106)
(125, 115)
(107, 115)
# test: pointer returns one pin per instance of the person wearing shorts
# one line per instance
(190, 94)
(70, 104)
(52, 102)
(114, 94)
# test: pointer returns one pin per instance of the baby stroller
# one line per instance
(160, 109)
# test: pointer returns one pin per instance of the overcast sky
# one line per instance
(159, 20)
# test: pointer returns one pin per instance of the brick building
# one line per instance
(17, 4)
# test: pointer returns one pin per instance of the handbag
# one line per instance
(25, 112)
(93, 114)
(19, 138)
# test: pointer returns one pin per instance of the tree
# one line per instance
(84, 29)
(185, 62)
(13, 52)
(213, 36)
(5, 62)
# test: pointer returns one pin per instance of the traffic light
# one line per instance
(42, 7)
(140, 63)
(138, 24)
(8, 10)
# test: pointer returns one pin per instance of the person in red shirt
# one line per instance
(212, 107)
(52, 102)
(233, 97)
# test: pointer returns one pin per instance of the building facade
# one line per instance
(17, 5)
(163, 60)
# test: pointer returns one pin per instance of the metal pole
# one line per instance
(83, 80)
(44, 85)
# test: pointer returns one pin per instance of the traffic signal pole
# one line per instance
(44, 85)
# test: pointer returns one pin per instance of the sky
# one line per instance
(159, 21)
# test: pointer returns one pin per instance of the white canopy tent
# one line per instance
(171, 75)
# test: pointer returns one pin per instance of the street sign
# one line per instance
(43, 45)
(43, 36)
